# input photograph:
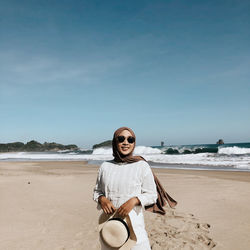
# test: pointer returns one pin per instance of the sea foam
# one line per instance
(226, 156)
(139, 150)
(234, 150)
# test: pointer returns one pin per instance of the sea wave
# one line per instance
(142, 150)
(234, 150)
(102, 151)
(52, 156)
(139, 150)
(189, 150)
(226, 156)
(203, 159)
(229, 149)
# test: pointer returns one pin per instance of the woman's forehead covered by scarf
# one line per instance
(119, 130)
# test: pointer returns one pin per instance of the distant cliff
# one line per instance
(103, 144)
(34, 146)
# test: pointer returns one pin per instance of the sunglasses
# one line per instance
(122, 138)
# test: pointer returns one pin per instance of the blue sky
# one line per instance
(174, 71)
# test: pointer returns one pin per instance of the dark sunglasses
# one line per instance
(122, 138)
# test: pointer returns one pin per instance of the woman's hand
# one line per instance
(126, 207)
(106, 205)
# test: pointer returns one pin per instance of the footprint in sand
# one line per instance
(177, 230)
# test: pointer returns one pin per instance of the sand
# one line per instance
(48, 205)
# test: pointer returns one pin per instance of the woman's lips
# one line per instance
(125, 148)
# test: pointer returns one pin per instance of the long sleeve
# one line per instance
(148, 190)
(98, 187)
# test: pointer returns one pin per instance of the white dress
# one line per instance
(121, 181)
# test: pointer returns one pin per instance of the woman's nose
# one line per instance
(125, 142)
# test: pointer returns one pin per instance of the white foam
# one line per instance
(241, 161)
(52, 156)
(64, 151)
(139, 150)
(234, 150)
(205, 159)
(142, 150)
(102, 151)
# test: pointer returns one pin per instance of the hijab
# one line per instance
(163, 196)
(118, 157)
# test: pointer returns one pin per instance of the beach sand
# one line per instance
(48, 205)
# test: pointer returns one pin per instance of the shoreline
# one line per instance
(165, 166)
(230, 157)
(48, 205)
(219, 173)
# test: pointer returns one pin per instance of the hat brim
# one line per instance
(132, 238)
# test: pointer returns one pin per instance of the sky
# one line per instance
(173, 71)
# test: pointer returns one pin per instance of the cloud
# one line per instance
(25, 66)
(24, 69)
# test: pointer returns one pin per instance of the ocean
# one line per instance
(233, 156)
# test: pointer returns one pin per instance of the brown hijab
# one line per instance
(162, 194)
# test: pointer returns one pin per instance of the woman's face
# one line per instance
(125, 148)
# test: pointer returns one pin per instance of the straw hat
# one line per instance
(116, 232)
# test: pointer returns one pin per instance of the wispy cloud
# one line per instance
(22, 69)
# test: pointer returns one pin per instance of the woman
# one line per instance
(126, 184)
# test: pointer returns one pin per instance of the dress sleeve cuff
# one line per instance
(142, 200)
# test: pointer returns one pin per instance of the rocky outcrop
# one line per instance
(9, 147)
(220, 141)
(107, 143)
(34, 146)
